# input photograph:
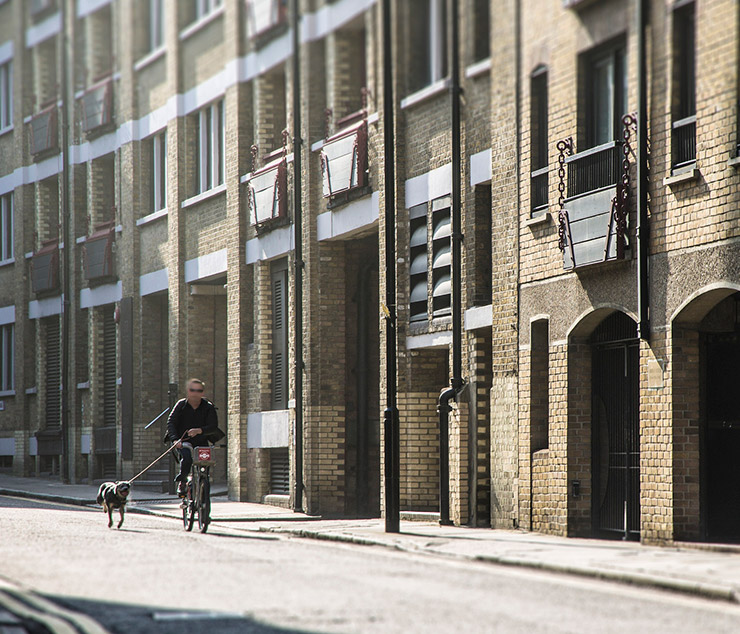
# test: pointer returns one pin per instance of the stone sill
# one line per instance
(283, 501)
(31, 391)
(6, 130)
(197, 26)
(156, 215)
(5, 393)
(150, 58)
(734, 162)
(430, 91)
(211, 193)
(686, 176)
(539, 219)
(478, 68)
(7, 262)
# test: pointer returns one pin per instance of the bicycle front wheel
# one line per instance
(204, 505)
(188, 512)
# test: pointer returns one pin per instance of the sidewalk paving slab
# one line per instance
(711, 571)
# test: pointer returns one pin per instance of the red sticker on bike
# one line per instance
(204, 454)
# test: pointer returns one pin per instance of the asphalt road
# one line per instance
(152, 576)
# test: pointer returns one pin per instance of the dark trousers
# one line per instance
(186, 462)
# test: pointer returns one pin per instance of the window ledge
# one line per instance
(31, 391)
(7, 262)
(539, 219)
(197, 26)
(150, 58)
(426, 93)
(161, 213)
(211, 193)
(686, 175)
(478, 68)
(4, 393)
(6, 130)
(85, 385)
(734, 162)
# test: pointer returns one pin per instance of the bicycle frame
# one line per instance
(198, 496)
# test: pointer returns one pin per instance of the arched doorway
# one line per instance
(719, 345)
(615, 434)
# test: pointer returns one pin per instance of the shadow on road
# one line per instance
(122, 618)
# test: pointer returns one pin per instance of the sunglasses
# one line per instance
(192, 389)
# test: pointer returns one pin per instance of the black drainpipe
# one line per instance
(361, 433)
(643, 228)
(391, 435)
(456, 381)
(298, 277)
(68, 243)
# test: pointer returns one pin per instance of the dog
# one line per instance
(114, 495)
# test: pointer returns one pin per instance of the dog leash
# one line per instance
(158, 459)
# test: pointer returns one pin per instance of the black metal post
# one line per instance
(643, 228)
(390, 426)
(298, 277)
(171, 400)
(66, 239)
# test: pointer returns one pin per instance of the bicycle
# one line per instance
(198, 490)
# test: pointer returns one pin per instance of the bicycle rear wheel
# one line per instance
(188, 512)
(204, 505)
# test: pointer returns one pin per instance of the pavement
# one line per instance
(708, 570)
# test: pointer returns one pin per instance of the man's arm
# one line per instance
(211, 422)
(173, 419)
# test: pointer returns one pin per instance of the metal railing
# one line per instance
(593, 169)
(539, 186)
(684, 141)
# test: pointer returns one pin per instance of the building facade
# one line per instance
(599, 280)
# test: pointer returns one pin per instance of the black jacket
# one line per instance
(184, 417)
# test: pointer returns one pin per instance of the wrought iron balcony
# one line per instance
(268, 192)
(98, 253)
(684, 141)
(594, 169)
(45, 267)
(44, 131)
(265, 15)
(344, 159)
(97, 106)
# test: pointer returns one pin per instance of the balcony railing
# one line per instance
(44, 131)
(265, 15)
(684, 141)
(594, 169)
(344, 159)
(97, 106)
(98, 253)
(45, 267)
(268, 191)
(539, 187)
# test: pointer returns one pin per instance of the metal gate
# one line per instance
(616, 428)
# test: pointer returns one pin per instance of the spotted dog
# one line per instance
(114, 495)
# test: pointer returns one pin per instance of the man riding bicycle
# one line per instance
(194, 418)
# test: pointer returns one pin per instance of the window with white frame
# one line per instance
(156, 24)
(428, 38)
(6, 95)
(6, 227)
(158, 171)
(209, 142)
(204, 7)
(7, 357)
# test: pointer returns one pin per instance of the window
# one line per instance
(158, 154)
(156, 24)
(684, 86)
(6, 95)
(209, 153)
(430, 259)
(428, 41)
(7, 357)
(539, 385)
(605, 95)
(279, 286)
(538, 139)
(204, 7)
(6, 227)
(481, 34)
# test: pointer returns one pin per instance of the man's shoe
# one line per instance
(182, 489)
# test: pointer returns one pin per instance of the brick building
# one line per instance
(599, 292)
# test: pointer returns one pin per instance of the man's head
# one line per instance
(195, 389)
